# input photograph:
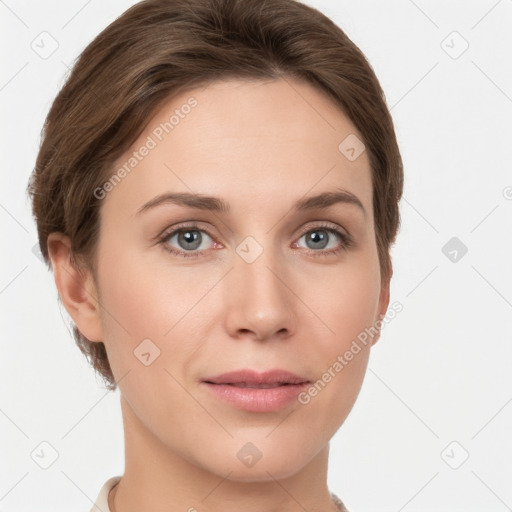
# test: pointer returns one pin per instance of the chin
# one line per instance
(267, 464)
(263, 472)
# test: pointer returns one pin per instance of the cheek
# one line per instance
(346, 302)
(151, 300)
(345, 298)
(142, 296)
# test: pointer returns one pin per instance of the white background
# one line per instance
(441, 371)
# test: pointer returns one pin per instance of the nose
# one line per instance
(260, 303)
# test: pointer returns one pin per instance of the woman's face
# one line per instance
(252, 282)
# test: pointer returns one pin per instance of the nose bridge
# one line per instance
(259, 300)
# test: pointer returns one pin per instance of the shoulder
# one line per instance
(338, 503)
(101, 503)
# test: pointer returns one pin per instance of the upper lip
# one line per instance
(252, 377)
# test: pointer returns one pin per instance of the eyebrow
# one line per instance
(215, 204)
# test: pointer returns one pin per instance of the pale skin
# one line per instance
(260, 146)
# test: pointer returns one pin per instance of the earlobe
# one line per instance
(76, 288)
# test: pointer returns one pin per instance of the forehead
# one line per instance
(241, 140)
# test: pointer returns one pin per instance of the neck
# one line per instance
(159, 479)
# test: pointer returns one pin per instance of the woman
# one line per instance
(216, 192)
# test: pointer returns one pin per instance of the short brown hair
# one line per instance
(158, 48)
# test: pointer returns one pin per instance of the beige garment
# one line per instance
(101, 503)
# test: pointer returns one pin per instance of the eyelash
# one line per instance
(346, 240)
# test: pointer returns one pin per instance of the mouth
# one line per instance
(252, 379)
(256, 392)
(253, 385)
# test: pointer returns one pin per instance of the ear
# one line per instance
(76, 288)
(383, 303)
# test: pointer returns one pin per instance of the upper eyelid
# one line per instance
(323, 225)
(195, 226)
(166, 233)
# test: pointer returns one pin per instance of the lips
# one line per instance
(252, 391)
(252, 379)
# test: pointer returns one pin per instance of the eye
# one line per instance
(190, 241)
(193, 241)
(324, 237)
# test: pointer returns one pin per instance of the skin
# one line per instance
(260, 146)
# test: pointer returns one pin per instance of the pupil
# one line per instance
(318, 237)
(190, 237)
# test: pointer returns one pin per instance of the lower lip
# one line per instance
(257, 399)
